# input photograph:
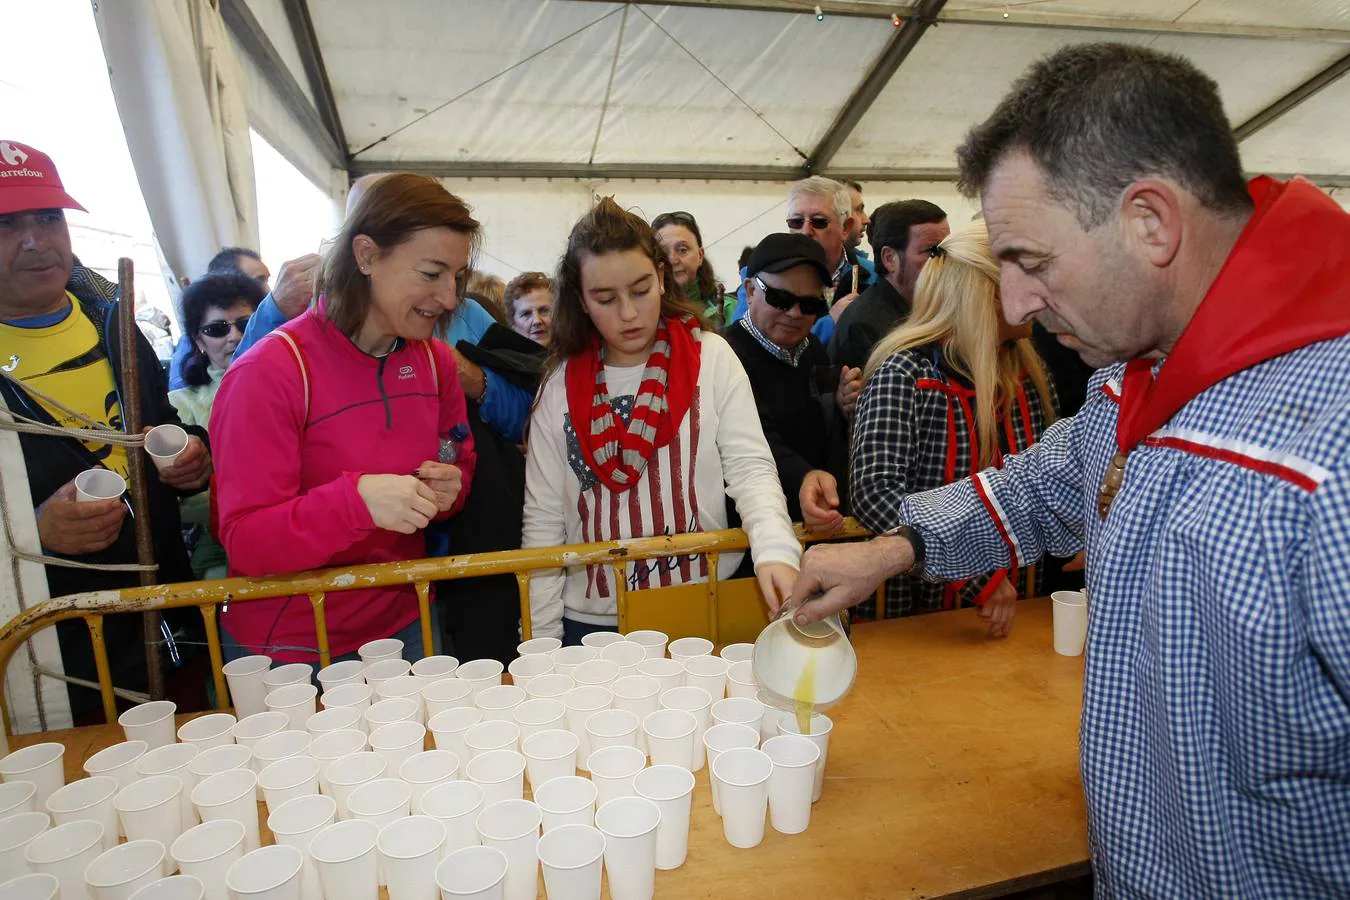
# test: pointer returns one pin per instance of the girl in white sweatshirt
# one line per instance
(644, 426)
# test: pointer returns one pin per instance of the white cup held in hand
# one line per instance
(410, 851)
(794, 773)
(744, 786)
(269, 873)
(457, 805)
(569, 800)
(512, 826)
(629, 825)
(164, 444)
(99, 484)
(473, 873)
(572, 857)
(245, 679)
(66, 851)
(1070, 622)
(346, 858)
(118, 873)
(207, 851)
(43, 765)
(671, 788)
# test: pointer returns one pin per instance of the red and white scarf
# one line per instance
(616, 453)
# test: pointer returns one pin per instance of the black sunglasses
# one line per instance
(785, 300)
(818, 222)
(221, 329)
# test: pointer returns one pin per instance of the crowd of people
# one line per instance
(386, 402)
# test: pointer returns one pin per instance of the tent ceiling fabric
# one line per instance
(569, 84)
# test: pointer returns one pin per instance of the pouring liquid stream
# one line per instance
(804, 697)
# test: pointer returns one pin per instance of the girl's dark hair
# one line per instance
(607, 228)
(215, 290)
(706, 280)
(390, 212)
(522, 284)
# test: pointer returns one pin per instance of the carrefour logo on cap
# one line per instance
(12, 155)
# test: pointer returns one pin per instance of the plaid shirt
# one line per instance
(1216, 706)
(913, 431)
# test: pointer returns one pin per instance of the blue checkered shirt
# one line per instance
(1216, 709)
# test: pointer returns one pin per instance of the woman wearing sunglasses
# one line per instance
(682, 243)
(216, 308)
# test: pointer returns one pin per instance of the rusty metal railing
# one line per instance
(206, 596)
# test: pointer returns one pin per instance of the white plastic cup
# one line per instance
(734, 653)
(44, 766)
(539, 714)
(669, 673)
(697, 701)
(654, 642)
(66, 851)
(150, 809)
(346, 860)
(639, 695)
(498, 701)
(232, 795)
(431, 669)
(740, 710)
(582, 702)
(671, 788)
(17, 797)
(356, 694)
(569, 800)
(600, 639)
(542, 646)
(245, 679)
(480, 674)
(339, 718)
(404, 687)
(249, 731)
(382, 670)
(175, 760)
(220, 759)
(207, 851)
(87, 798)
(119, 872)
(381, 801)
(626, 655)
(449, 726)
(670, 735)
(398, 742)
(348, 671)
(384, 648)
(794, 773)
(550, 686)
(572, 857)
(297, 701)
(348, 773)
(612, 728)
(821, 726)
(741, 680)
(600, 672)
(707, 672)
(456, 804)
(446, 693)
(688, 647)
(744, 788)
(613, 770)
(389, 711)
(99, 484)
(1070, 622)
(629, 825)
(410, 851)
(550, 754)
(287, 779)
(720, 738)
(164, 443)
(279, 746)
(566, 659)
(295, 823)
(31, 886)
(524, 669)
(473, 873)
(16, 833)
(512, 826)
(423, 771)
(290, 673)
(333, 745)
(175, 887)
(500, 773)
(205, 732)
(269, 873)
(487, 736)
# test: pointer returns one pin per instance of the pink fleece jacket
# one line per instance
(288, 451)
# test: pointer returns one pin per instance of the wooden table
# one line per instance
(953, 772)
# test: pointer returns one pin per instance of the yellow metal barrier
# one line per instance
(732, 610)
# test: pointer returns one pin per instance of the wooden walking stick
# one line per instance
(140, 498)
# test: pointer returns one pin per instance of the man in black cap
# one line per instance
(802, 399)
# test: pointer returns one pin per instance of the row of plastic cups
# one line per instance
(44, 886)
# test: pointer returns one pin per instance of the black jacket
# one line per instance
(866, 321)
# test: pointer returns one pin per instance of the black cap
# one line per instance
(780, 252)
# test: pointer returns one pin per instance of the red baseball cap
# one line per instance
(28, 181)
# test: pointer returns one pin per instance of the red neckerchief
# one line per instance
(615, 452)
(1285, 285)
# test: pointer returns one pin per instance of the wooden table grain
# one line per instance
(953, 772)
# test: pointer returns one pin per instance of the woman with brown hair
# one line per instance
(644, 426)
(342, 435)
(529, 306)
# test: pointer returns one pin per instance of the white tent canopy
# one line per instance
(528, 108)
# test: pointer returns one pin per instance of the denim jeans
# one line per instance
(574, 631)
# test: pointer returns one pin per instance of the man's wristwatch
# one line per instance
(915, 539)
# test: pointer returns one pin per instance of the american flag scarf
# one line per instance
(618, 453)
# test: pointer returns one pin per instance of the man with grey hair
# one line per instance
(1207, 475)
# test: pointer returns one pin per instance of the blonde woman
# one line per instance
(947, 394)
